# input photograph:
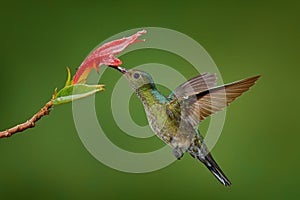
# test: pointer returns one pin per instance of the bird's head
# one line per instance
(136, 78)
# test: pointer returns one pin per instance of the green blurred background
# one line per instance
(258, 147)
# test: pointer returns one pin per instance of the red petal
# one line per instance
(104, 55)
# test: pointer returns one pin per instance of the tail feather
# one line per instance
(211, 164)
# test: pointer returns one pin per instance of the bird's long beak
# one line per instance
(120, 69)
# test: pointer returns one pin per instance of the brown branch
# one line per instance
(30, 123)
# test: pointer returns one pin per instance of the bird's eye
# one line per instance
(136, 75)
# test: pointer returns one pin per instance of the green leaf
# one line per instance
(68, 82)
(74, 92)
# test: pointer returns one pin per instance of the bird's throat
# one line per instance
(149, 95)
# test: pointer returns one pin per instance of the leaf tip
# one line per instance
(68, 82)
(101, 87)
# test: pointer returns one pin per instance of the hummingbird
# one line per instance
(175, 118)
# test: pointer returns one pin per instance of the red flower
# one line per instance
(105, 55)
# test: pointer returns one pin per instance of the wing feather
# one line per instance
(195, 85)
(198, 106)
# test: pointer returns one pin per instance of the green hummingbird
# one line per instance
(175, 118)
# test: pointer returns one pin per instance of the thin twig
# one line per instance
(30, 123)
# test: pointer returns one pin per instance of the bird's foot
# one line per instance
(178, 153)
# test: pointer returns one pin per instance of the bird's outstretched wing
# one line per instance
(195, 107)
(187, 89)
(195, 85)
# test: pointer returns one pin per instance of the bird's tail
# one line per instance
(211, 164)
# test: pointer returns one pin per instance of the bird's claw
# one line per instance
(178, 153)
